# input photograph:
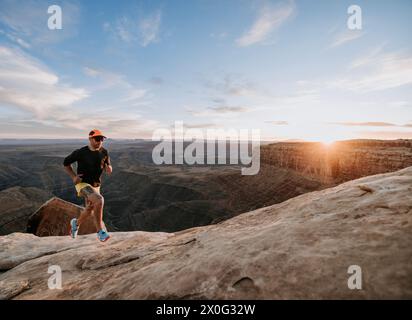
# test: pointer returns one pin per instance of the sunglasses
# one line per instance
(98, 139)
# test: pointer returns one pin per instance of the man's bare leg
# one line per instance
(88, 210)
(98, 213)
(98, 203)
(95, 203)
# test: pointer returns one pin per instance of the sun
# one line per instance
(328, 142)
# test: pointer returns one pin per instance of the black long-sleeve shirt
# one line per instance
(89, 163)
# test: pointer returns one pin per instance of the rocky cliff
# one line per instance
(53, 219)
(300, 248)
(17, 204)
(340, 161)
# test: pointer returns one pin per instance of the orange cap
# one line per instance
(96, 133)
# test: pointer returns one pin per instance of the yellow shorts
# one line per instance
(82, 185)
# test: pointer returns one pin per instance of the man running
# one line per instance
(91, 160)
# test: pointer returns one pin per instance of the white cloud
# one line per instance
(400, 104)
(232, 85)
(388, 135)
(114, 125)
(346, 36)
(15, 39)
(227, 109)
(365, 124)
(270, 18)
(77, 126)
(365, 59)
(135, 94)
(125, 29)
(234, 89)
(110, 80)
(48, 104)
(27, 84)
(300, 97)
(200, 125)
(219, 35)
(377, 72)
(131, 29)
(278, 122)
(91, 72)
(219, 111)
(149, 28)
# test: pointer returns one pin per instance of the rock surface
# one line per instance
(300, 248)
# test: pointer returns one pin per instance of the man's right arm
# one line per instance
(73, 157)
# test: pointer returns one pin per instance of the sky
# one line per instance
(292, 69)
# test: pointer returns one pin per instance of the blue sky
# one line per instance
(289, 68)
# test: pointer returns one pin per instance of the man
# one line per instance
(91, 160)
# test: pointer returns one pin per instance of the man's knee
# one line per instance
(96, 199)
(89, 206)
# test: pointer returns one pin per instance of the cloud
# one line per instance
(365, 124)
(149, 28)
(156, 80)
(400, 104)
(200, 125)
(219, 100)
(232, 85)
(91, 72)
(234, 89)
(27, 84)
(135, 94)
(16, 39)
(216, 111)
(131, 29)
(371, 124)
(125, 29)
(269, 19)
(385, 134)
(77, 126)
(114, 126)
(226, 109)
(219, 35)
(27, 21)
(379, 71)
(346, 36)
(367, 58)
(110, 79)
(41, 105)
(278, 123)
(300, 97)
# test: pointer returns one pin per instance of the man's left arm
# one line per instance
(108, 165)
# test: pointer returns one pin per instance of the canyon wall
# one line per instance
(340, 161)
